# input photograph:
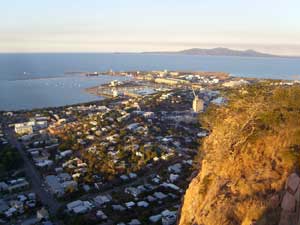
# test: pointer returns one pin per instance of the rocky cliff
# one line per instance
(245, 163)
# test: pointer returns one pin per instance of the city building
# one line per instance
(198, 104)
(24, 129)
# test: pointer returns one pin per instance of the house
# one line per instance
(21, 198)
(159, 195)
(69, 185)
(102, 199)
(54, 185)
(148, 115)
(168, 217)
(79, 207)
(24, 128)
(173, 177)
(41, 124)
(133, 126)
(202, 134)
(32, 196)
(44, 163)
(150, 198)
(3, 206)
(64, 177)
(27, 137)
(129, 205)
(3, 186)
(188, 162)
(16, 185)
(42, 214)
(132, 175)
(10, 212)
(156, 180)
(176, 168)
(134, 222)
(18, 205)
(141, 188)
(59, 184)
(132, 191)
(143, 204)
(73, 204)
(155, 218)
(118, 208)
(94, 123)
(124, 177)
(171, 186)
(86, 187)
(65, 153)
(100, 214)
(90, 137)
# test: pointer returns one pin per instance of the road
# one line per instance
(32, 174)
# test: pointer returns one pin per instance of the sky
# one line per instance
(271, 26)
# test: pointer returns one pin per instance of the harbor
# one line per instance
(129, 88)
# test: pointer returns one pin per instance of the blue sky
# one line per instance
(146, 25)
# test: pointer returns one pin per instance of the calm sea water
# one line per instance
(46, 92)
(38, 80)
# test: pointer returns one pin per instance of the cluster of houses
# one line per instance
(195, 78)
(136, 138)
(36, 123)
(174, 78)
(154, 192)
(285, 83)
(60, 184)
(17, 205)
(235, 83)
(15, 185)
(21, 205)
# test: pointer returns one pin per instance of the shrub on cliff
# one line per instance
(254, 144)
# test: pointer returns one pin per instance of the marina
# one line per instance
(129, 88)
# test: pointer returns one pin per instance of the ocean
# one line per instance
(38, 80)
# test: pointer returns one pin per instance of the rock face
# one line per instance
(247, 162)
(236, 190)
(290, 205)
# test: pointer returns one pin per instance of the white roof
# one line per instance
(129, 204)
(101, 214)
(132, 175)
(159, 195)
(124, 177)
(168, 213)
(74, 204)
(134, 222)
(80, 209)
(169, 185)
(101, 199)
(155, 218)
(143, 204)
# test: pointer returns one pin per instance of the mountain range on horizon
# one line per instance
(218, 52)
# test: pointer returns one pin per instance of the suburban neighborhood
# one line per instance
(123, 160)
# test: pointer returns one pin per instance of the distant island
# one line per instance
(217, 52)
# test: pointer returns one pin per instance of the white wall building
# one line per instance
(198, 104)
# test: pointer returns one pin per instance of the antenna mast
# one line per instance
(194, 92)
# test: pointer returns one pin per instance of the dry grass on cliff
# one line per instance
(253, 146)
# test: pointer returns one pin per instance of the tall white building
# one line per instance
(198, 104)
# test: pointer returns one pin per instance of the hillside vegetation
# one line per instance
(253, 146)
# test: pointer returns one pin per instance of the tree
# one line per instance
(10, 159)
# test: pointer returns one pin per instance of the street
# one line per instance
(36, 180)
